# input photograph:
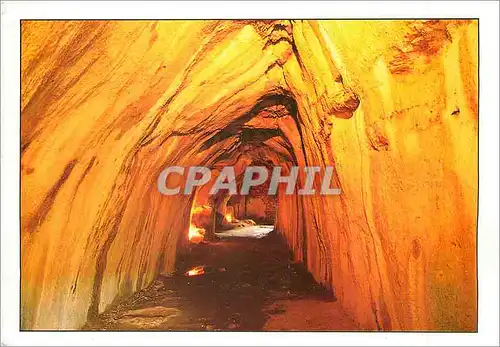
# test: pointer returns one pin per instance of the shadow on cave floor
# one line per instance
(249, 284)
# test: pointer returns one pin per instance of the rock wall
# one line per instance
(258, 205)
(391, 104)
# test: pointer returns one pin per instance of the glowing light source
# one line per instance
(229, 218)
(197, 209)
(195, 234)
(196, 271)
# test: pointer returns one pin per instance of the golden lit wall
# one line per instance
(392, 104)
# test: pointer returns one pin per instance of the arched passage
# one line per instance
(108, 105)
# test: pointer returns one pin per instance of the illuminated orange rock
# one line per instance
(391, 104)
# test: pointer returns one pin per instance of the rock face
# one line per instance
(258, 205)
(106, 106)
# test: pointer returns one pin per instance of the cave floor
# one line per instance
(249, 284)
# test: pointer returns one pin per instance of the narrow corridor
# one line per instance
(248, 284)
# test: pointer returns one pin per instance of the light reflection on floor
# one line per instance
(254, 231)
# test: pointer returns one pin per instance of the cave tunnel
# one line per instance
(109, 105)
